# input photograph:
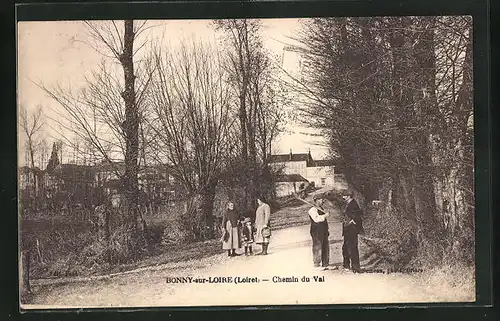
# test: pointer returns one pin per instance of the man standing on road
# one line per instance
(319, 234)
(351, 227)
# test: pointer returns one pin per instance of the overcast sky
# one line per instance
(52, 53)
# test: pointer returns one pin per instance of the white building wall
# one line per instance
(293, 168)
(321, 176)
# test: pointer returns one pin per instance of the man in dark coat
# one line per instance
(351, 227)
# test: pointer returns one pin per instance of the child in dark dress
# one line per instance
(247, 230)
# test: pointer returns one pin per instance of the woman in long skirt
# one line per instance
(262, 217)
(231, 240)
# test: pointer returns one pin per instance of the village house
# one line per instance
(154, 180)
(107, 175)
(298, 169)
(66, 176)
(76, 183)
(158, 181)
(26, 177)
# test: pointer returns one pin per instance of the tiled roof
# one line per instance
(322, 162)
(282, 158)
(304, 157)
(72, 171)
(107, 166)
(291, 178)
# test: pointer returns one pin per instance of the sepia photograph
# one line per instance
(246, 162)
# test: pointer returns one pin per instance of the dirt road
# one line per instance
(289, 259)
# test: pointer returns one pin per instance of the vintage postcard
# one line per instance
(246, 162)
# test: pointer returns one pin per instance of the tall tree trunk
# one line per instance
(207, 199)
(131, 128)
(400, 193)
(103, 233)
(35, 178)
(426, 198)
(244, 138)
(464, 187)
(148, 188)
(25, 246)
(252, 166)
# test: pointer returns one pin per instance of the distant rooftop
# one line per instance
(291, 178)
(301, 157)
(323, 162)
(281, 158)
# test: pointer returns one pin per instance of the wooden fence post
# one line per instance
(24, 278)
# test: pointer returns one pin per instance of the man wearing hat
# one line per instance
(319, 233)
(351, 227)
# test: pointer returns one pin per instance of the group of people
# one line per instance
(238, 230)
(351, 227)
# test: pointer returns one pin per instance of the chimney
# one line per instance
(291, 154)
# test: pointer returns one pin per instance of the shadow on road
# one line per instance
(289, 246)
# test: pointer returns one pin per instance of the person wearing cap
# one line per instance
(262, 218)
(351, 227)
(319, 233)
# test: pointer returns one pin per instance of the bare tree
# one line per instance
(105, 114)
(250, 72)
(31, 125)
(191, 102)
(269, 121)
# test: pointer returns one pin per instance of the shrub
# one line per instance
(122, 248)
(176, 232)
(396, 242)
(461, 248)
(401, 241)
(94, 253)
(155, 233)
(181, 228)
(68, 265)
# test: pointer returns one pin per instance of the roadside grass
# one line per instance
(290, 217)
(388, 246)
(177, 253)
(68, 263)
(455, 280)
(173, 253)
